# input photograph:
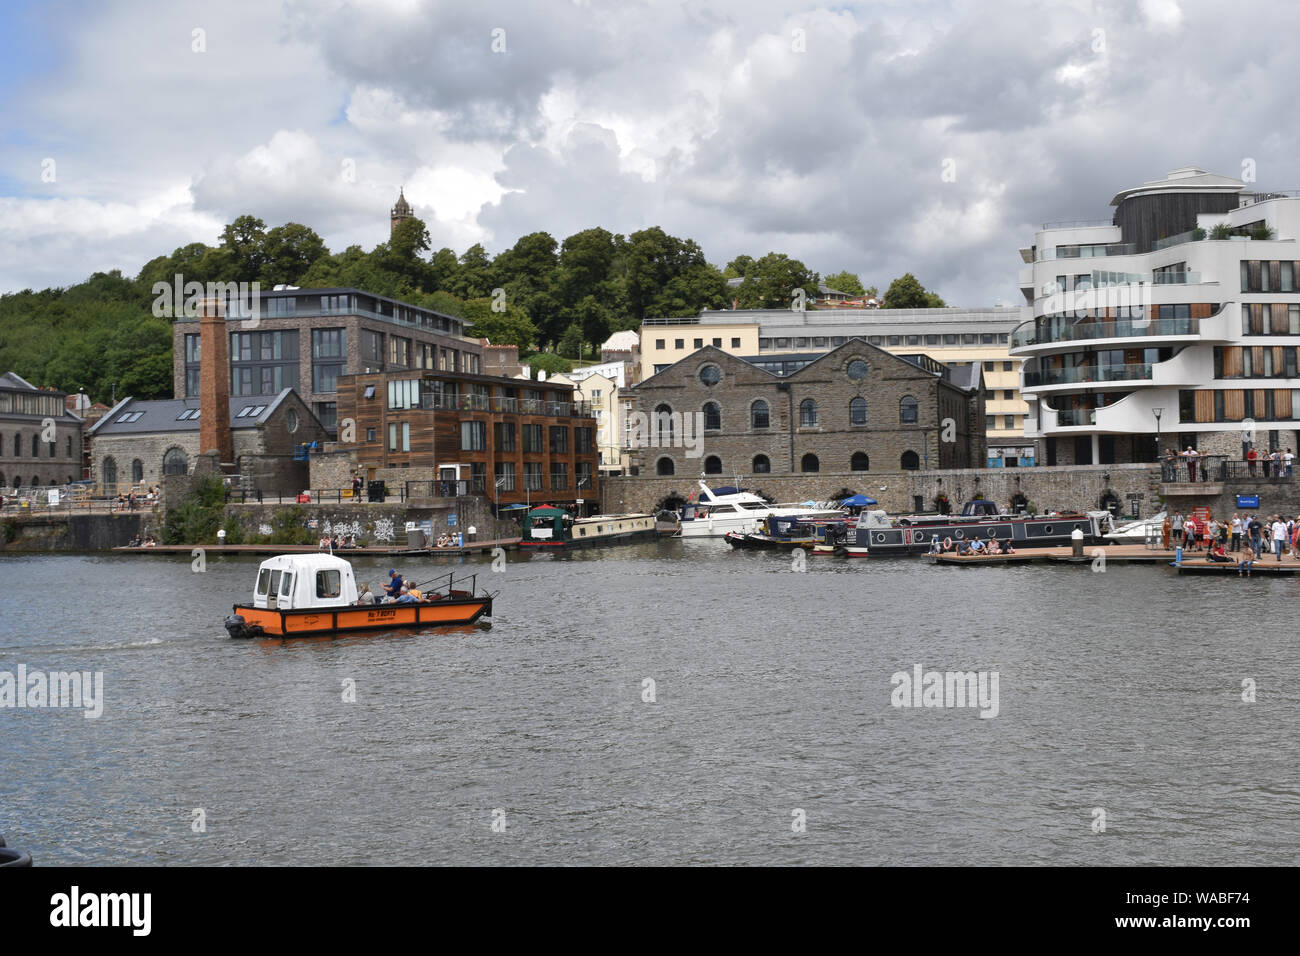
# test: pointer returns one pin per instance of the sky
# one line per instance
(878, 138)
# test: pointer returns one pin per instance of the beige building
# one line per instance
(602, 386)
(951, 336)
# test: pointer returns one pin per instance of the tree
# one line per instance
(243, 244)
(527, 271)
(290, 250)
(653, 260)
(510, 327)
(442, 269)
(772, 280)
(738, 267)
(548, 362)
(473, 279)
(571, 342)
(846, 282)
(906, 292)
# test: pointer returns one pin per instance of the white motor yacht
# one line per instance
(715, 514)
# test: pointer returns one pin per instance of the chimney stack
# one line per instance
(214, 382)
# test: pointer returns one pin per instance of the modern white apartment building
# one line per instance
(600, 386)
(951, 336)
(1178, 320)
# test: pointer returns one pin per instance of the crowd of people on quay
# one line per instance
(1248, 536)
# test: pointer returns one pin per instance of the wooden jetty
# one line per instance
(1113, 553)
(1266, 566)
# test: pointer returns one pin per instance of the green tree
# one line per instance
(772, 280)
(473, 278)
(906, 292)
(290, 250)
(653, 260)
(846, 282)
(243, 245)
(528, 272)
(548, 362)
(738, 267)
(571, 342)
(510, 327)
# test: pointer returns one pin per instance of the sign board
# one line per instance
(451, 520)
(54, 496)
(580, 502)
(1247, 501)
(1134, 507)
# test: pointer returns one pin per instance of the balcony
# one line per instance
(512, 406)
(1088, 375)
(1094, 251)
(1048, 333)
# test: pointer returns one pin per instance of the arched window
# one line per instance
(907, 410)
(137, 470)
(858, 411)
(175, 462)
(910, 461)
(759, 416)
(809, 463)
(36, 481)
(713, 465)
(664, 466)
(36, 446)
(860, 462)
(663, 426)
(109, 468)
(762, 465)
(18, 445)
(808, 413)
(712, 416)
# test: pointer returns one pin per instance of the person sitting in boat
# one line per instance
(977, 547)
(415, 592)
(405, 596)
(394, 586)
(365, 595)
(1008, 549)
(994, 547)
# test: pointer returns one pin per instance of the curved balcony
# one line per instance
(1088, 375)
(1026, 334)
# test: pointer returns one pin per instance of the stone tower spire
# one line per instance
(401, 212)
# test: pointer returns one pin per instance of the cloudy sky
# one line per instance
(882, 137)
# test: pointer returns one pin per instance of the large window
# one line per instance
(504, 475)
(907, 410)
(583, 440)
(713, 465)
(663, 426)
(533, 439)
(762, 465)
(404, 393)
(808, 413)
(860, 462)
(858, 411)
(503, 436)
(533, 475)
(910, 461)
(809, 463)
(712, 416)
(372, 349)
(175, 462)
(664, 466)
(109, 469)
(399, 351)
(137, 470)
(328, 351)
(399, 436)
(559, 476)
(559, 440)
(473, 436)
(759, 416)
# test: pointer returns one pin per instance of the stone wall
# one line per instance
(1075, 488)
(72, 532)
(377, 524)
(1275, 497)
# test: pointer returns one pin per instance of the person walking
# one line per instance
(1236, 532)
(1279, 536)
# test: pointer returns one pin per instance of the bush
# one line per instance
(234, 530)
(196, 519)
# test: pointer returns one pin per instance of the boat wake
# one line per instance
(48, 648)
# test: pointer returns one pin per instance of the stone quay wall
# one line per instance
(1080, 487)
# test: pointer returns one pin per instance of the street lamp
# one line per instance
(1157, 412)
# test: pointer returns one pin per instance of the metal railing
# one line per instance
(515, 406)
(1077, 223)
(1088, 374)
(314, 496)
(1082, 331)
(1221, 468)
(445, 488)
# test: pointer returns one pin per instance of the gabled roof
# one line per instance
(14, 380)
(164, 415)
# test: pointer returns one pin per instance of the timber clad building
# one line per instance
(305, 339)
(855, 408)
(510, 440)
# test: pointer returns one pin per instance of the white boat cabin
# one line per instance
(304, 581)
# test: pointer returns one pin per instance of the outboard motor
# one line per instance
(236, 626)
(10, 857)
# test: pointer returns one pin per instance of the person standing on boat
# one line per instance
(394, 586)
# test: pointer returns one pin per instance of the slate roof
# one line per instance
(163, 415)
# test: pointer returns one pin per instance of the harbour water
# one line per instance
(767, 736)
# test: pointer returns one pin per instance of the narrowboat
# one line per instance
(781, 532)
(553, 529)
(310, 595)
(878, 535)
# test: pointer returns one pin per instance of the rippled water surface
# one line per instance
(1119, 690)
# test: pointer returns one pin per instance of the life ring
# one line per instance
(947, 543)
(880, 538)
(960, 533)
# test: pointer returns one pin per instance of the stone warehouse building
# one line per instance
(138, 442)
(855, 408)
(27, 459)
(305, 339)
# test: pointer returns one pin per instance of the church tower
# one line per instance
(401, 212)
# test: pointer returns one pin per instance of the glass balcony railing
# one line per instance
(1092, 251)
(514, 406)
(1076, 416)
(1049, 332)
(1087, 374)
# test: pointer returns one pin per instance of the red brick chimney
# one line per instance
(214, 382)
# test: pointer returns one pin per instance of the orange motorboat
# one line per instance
(308, 595)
